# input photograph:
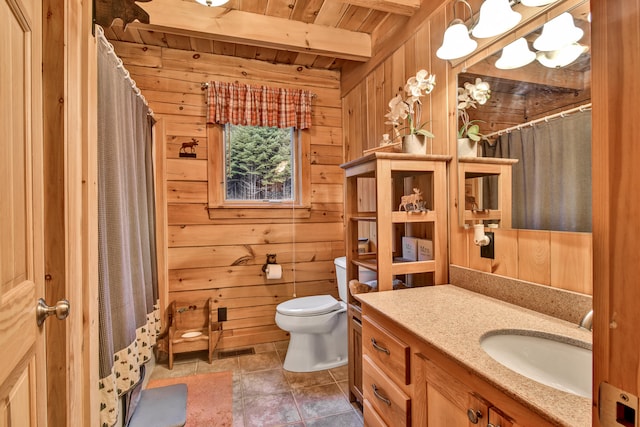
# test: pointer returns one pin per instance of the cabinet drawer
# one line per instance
(388, 400)
(371, 417)
(391, 354)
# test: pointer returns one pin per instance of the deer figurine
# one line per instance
(411, 200)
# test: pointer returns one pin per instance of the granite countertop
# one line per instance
(453, 320)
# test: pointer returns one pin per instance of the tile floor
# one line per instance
(266, 395)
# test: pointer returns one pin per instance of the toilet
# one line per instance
(318, 326)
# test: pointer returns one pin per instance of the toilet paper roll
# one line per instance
(274, 271)
(479, 238)
(478, 233)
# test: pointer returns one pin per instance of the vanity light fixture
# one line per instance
(561, 57)
(456, 42)
(496, 17)
(557, 33)
(515, 55)
(212, 3)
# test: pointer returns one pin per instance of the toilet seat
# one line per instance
(309, 306)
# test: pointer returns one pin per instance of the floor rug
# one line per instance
(209, 398)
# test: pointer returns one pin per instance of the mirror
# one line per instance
(540, 116)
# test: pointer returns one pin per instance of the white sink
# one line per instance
(543, 358)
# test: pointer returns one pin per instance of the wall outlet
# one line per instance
(222, 314)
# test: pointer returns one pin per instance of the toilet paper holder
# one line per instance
(271, 259)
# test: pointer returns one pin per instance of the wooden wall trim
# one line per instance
(615, 33)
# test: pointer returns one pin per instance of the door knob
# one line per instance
(61, 310)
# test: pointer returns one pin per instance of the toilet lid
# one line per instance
(309, 306)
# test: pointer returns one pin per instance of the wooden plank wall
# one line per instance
(223, 259)
(562, 260)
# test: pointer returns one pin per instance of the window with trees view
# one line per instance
(260, 163)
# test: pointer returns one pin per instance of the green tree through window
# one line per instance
(259, 163)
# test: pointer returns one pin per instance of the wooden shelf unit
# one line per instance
(395, 175)
(480, 167)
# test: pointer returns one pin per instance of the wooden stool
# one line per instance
(194, 326)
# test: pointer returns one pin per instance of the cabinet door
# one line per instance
(496, 419)
(355, 355)
(442, 400)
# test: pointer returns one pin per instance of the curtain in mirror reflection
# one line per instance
(552, 180)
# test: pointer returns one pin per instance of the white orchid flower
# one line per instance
(398, 109)
(409, 109)
(480, 91)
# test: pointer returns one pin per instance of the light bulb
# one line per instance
(496, 17)
(515, 55)
(456, 42)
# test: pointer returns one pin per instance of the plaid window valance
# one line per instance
(242, 104)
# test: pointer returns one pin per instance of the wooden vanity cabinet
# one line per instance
(408, 382)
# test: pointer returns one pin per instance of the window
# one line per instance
(260, 164)
(257, 172)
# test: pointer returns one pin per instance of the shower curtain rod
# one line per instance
(581, 108)
(110, 50)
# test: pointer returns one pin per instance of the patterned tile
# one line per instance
(341, 373)
(265, 347)
(238, 418)
(264, 382)
(308, 379)
(347, 419)
(272, 410)
(281, 346)
(218, 365)
(266, 395)
(237, 386)
(259, 362)
(344, 386)
(181, 369)
(320, 401)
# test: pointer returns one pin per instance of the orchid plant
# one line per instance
(468, 96)
(410, 109)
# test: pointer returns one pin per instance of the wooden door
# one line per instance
(22, 376)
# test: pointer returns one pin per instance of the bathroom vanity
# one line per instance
(424, 364)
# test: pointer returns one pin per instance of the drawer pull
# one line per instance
(474, 416)
(379, 396)
(377, 347)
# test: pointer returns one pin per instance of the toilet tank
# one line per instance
(364, 275)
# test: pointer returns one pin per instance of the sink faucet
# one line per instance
(587, 321)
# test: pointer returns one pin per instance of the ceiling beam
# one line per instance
(400, 7)
(533, 73)
(189, 18)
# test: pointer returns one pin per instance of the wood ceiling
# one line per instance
(312, 33)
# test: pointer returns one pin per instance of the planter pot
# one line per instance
(467, 147)
(414, 144)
